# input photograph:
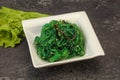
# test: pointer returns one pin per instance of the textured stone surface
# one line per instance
(15, 63)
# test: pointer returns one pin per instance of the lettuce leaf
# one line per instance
(11, 31)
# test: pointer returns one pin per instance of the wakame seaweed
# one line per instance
(59, 40)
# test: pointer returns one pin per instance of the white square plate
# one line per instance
(32, 28)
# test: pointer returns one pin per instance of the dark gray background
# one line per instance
(105, 17)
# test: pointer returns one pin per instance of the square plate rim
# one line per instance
(60, 62)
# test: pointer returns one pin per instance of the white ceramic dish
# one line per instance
(32, 29)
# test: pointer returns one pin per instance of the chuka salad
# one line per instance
(59, 40)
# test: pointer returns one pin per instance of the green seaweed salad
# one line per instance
(59, 40)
